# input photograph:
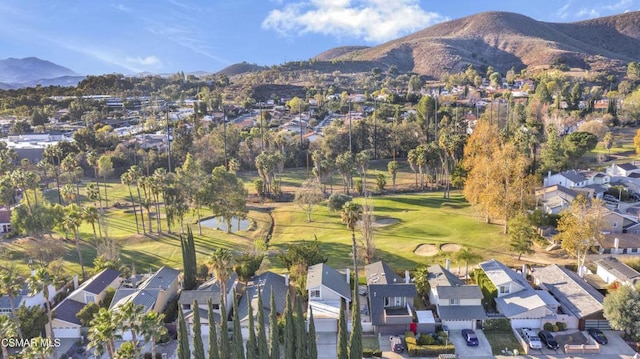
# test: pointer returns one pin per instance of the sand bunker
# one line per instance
(450, 247)
(383, 222)
(426, 250)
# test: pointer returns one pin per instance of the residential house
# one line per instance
(5, 220)
(622, 170)
(65, 324)
(25, 298)
(326, 289)
(390, 299)
(265, 284)
(620, 243)
(209, 290)
(459, 306)
(616, 222)
(576, 297)
(555, 198)
(612, 270)
(569, 179)
(516, 299)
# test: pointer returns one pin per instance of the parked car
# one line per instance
(598, 336)
(470, 337)
(396, 344)
(547, 338)
(531, 338)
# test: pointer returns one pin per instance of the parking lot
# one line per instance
(464, 351)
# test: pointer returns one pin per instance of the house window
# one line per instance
(454, 301)
(615, 224)
(314, 293)
(504, 289)
(395, 302)
(88, 298)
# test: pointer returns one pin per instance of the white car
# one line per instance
(532, 338)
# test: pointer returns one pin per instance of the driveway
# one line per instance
(327, 345)
(616, 345)
(464, 351)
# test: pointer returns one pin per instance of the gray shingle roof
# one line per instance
(459, 292)
(439, 276)
(462, 312)
(572, 292)
(67, 310)
(380, 273)
(620, 270)
(100, 281)
(5, 303)
(384, 283)
(208, 289)
(145, 297)
(500, 274)
(161, 279)
(627, 166)
(573, 176)
(519, 302)
(323, 275)
(267, 282)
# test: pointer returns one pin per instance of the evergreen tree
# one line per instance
(251, 341)
(343, 352)
(188, 260)
(274, 334)
(183, 337)
(262, 345)
(311, 338)
(238, 347)
(224, 332)
(355, 341)
(289, 331)
(213, 337)
(301, 331)
(198, 346)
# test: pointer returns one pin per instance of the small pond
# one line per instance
(213, 223)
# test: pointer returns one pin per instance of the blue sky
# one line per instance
(166, 36)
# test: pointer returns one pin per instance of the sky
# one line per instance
(167, 36)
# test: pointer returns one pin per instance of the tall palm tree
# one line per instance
(350, 215)
(103, 333)
(136, 173)
(8, 329)
(92, 160)
(68, 193)
(220, 263)
(11, 286)
(127, 179)
(40, 282)
(129, 317)
(91, 215)
(158, 182)
(71, 221)
(152, 328)
(466, 255)
(36, 351)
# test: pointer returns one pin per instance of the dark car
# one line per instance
(470, 337)
(547, 338)
(396, 344)
(598, 336)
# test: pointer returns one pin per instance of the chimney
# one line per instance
(524, 271)
(348, 275)
(447, 264)
(75, 282)
(286, 280)
(616, 243)
(407, 279)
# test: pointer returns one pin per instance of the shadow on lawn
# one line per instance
(420, 201)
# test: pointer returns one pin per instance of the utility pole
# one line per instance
(350, 144)
(168, 138)
(261, 129)
(224, 134)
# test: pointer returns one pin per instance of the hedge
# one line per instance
(429, 350)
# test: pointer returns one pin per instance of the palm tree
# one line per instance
(71, 221)
(152, 328)
(92, 160)
(8, 329)
(68, 193)
(127, 179)
(136, 173)
(11, 286)
(351, 213)
(466, 255)
(40, 282)
(220, 263)
(91, 215)
(103, 333)
(37, 351)
(157, 188)
(129, 317)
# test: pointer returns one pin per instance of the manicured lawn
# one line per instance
(500, 341)
(370, 342)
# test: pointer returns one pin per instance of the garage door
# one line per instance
(458, 324)
(526, 323)
(67, 332)
(597, 324)
(326, 325)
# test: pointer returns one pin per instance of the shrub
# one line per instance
(247, 265)
(561, 325)
(426, 339)
(411, 340)
(555, 328)
(377, 353)
(430, 350)
(337, 200)
(409, 334)
(367, 353)
(547, 326)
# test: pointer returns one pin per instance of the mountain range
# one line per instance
(32, 71)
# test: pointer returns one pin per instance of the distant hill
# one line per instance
(240, 68)
(21, 72)
(504, 40)
(337, 52)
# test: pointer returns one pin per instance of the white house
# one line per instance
(612, 270)
(326, 288)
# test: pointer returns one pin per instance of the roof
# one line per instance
(573, 176)
(439, 276)
(5, 303)
(572, 292)
(380, 273)
(499, 274)
(627, 166)
(145, 297)
(99, 282)
(266, 283)
(162, 279)
(5, 215)
(625, 240)
(461, 312)
(208, 289)
(519, 302)
(618, 269)
(66, 311)
(459, 292)
(323, 275)
(204, 315)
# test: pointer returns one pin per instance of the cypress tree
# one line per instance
(198, 346)
(301, 331)
(342, 334)
(311, 341)
(238, 347)
(274, 334)
(355, 341)
(224, 332)
(213, 337)
(289, 331)
(262, 346)
(183, 337)
(251, 341)
(188, 260)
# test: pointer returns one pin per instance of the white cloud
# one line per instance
(588, 13)
(562, 12)
(371, 20)
(151, 61)
(122, 7)
(620, 5)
